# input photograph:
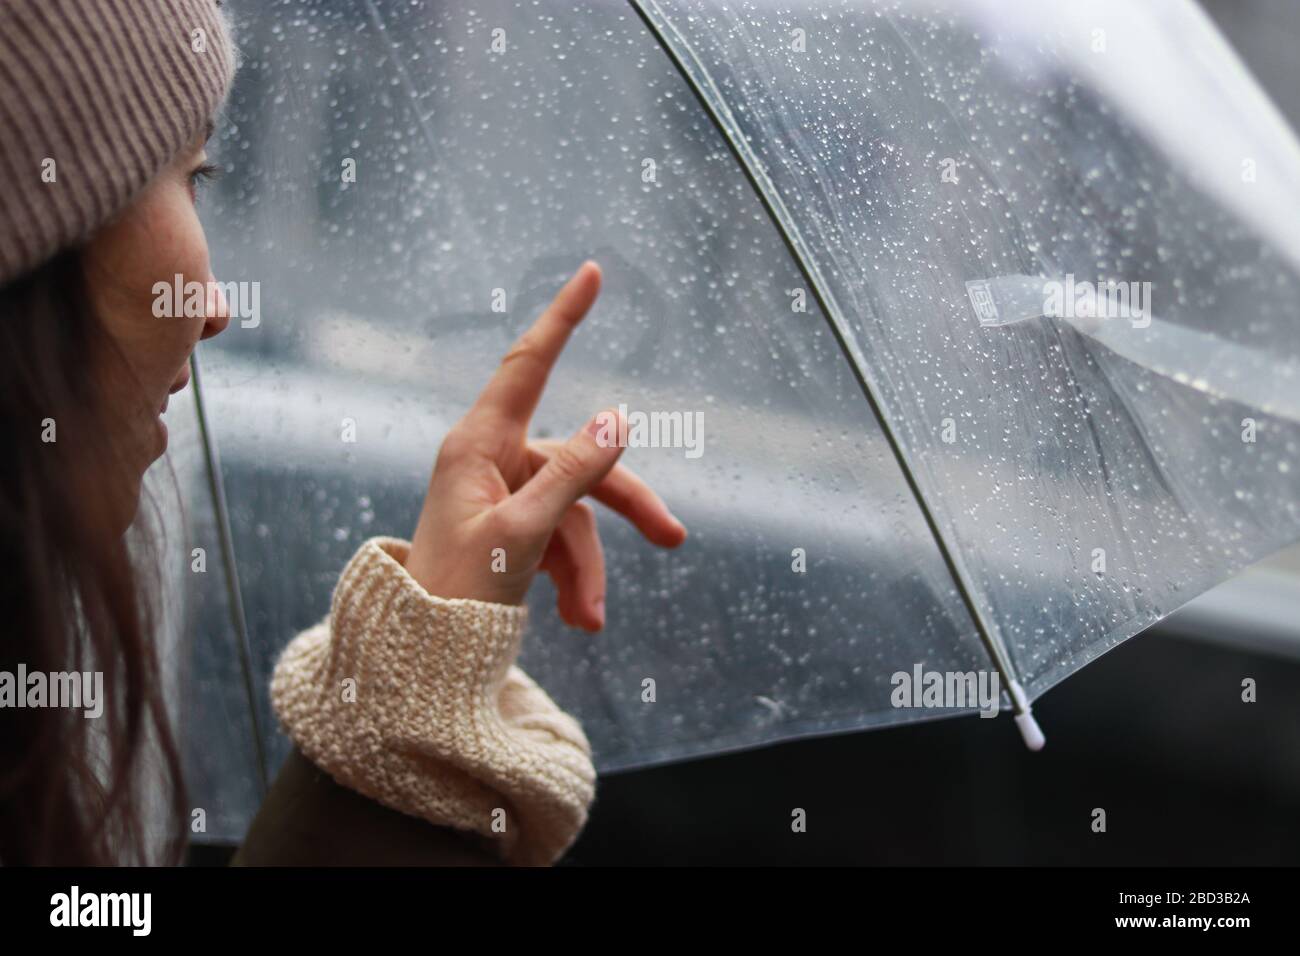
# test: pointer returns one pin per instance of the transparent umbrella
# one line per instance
(984, 319)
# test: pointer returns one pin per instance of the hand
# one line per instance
(499, 509)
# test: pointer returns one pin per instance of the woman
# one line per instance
(417, 739)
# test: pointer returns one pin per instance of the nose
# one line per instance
(217, 314)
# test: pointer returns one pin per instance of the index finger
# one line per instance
(516, 388)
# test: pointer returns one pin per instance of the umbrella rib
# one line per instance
(781, 219)
(233, 591)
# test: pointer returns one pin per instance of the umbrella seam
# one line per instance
(770, 199)
(233, 594)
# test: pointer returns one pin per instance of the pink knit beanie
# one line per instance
(96, 97)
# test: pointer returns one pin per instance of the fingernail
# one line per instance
(604, 428)
(600, 611)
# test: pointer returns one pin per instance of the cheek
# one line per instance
(135, 268)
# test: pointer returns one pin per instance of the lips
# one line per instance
(182, 380)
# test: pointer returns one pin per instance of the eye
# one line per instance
(203, 174)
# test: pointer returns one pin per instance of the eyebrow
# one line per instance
(211, 128)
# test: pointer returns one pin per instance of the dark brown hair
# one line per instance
(72, 789)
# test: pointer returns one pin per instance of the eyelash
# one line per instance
(204, 174)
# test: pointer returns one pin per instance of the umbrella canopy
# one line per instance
(846, 248)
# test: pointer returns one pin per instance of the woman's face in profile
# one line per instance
(156, 242)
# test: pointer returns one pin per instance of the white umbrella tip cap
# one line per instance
(1030, 731)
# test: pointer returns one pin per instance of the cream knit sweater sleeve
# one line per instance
(415, 701)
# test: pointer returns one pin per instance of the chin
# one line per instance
(126, 506)
(126, 501)
(160, 434)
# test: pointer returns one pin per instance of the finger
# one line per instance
(516, 388)
(585, 599)
(623, 492)
(558, 564)
(575, 468)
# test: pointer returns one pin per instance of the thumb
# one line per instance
(572, 471)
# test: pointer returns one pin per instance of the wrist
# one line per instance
(453, 581)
